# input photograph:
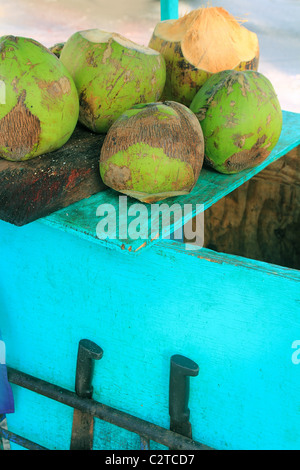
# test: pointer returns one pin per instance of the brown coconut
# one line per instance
(203, 42)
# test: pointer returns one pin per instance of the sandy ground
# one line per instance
(276, 22)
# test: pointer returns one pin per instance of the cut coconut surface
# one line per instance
(211, 39)
(203, 42)
(99, 36)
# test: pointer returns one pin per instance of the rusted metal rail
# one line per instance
(145, 429)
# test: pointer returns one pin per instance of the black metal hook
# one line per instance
(88, 351)
(83, 423)
(181, 369)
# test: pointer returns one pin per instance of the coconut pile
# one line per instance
(192, 98)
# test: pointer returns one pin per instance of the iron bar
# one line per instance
(4, 443)
(21, 441)
(145, 443)
(106, 413)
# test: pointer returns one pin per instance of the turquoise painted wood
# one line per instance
(236, 318)
(168, 9)
(211, 186)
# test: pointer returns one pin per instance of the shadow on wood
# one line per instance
(260, 219)
(36, 188)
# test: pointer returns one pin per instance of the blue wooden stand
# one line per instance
(169, 9)
(143, 302)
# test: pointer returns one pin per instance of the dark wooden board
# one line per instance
(35, 188)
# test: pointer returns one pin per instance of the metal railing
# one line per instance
(178, 437)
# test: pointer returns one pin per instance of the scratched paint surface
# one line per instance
(236, 318)
(81, 219)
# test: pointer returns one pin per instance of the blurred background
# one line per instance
(276, 22)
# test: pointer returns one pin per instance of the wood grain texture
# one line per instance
(36, 188)
(211, 187)
(261, 219)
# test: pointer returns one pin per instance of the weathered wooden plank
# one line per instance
(236, 318)
(81, 217)
(261, 219)
(36, 188)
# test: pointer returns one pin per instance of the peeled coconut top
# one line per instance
(211, 39)
(98, 36)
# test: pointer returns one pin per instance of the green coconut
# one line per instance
(153, 151)
(199, 44)
(57, 48)
(241, 119)
(40, 108)
(111, 74)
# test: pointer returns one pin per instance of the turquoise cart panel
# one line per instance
(236, 318)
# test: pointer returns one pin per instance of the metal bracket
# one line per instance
(181, 369)
(86, 408)
(83, 423)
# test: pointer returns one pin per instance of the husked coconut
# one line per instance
(41, 106)
(153, 151)
(201, 43)
(111, 74)
(241, 119)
